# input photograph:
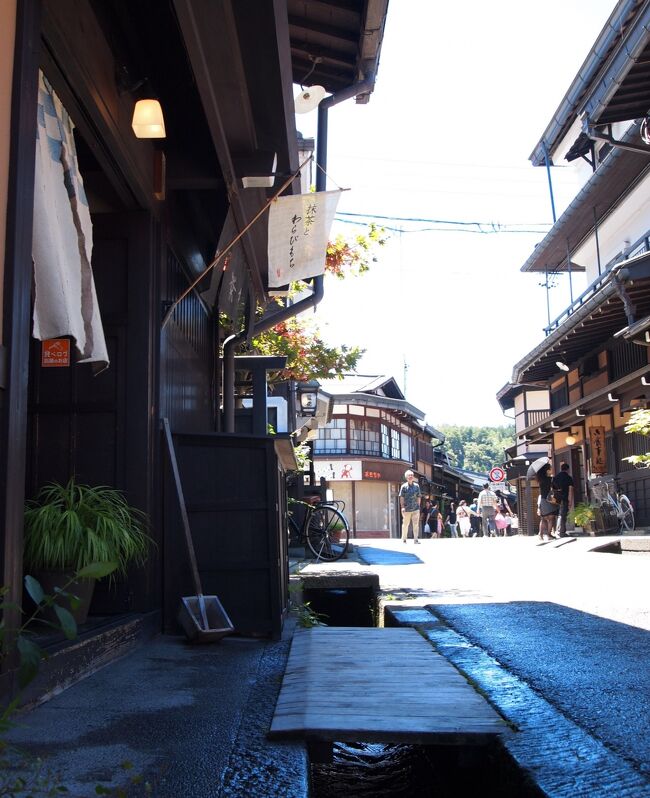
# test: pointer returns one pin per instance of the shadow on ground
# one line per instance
(370, 555)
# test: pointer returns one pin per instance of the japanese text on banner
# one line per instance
(299, 228)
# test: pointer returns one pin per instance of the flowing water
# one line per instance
(366, 770)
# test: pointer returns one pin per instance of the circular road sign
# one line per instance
(497, 474)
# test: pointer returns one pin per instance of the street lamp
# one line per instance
(308, 401)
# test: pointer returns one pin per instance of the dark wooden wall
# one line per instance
(234, 493)
(103, 429)
(187, 356)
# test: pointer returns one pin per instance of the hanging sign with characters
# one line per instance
(338, 470)
(299, 227)
(598, 450)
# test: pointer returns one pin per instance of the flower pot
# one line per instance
(82, 588)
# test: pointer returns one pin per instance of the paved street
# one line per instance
(569, 623)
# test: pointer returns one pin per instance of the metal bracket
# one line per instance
(599, 135)
(580, 414)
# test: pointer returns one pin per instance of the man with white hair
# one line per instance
(409, 501)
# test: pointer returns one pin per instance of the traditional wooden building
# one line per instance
(373, 437)
(223, 74)
(592, 367)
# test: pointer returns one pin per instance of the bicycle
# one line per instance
(617, 505)
(324, 529)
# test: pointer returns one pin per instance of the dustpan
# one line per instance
(202, 618)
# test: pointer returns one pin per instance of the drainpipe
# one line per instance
(550, 181)
(231, 343)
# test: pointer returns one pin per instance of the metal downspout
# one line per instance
(231, 343)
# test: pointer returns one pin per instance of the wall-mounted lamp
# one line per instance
(561, 365)
(570, 439)
(148, 121)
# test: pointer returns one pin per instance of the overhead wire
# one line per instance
(441, 225)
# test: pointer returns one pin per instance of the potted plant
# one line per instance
(68, 527)
(584, 515)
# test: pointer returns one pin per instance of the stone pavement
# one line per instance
(191, 720)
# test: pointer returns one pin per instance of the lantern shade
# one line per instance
(148, 122)
(308, 99)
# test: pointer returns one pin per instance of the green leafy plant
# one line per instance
(639, 423)
(307, 617)
(582, 514)
(71, 526)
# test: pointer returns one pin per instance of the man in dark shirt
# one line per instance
(409, 499)
(562, 486)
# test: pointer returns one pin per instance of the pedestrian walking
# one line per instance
(451, 520)
(463, 514)
(503, 514)
(546, 509)
(435, 520)
(424, 519)
(474, 519)
(563, 491)
(409, 499)
(486, 506)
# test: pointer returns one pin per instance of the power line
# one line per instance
(437, 221)
(455, 226)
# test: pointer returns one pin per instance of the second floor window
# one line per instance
(385, 441)
(332, 438)
(559, 398)
(365, 437)
(394, 444)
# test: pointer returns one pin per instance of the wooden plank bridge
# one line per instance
(378, 685)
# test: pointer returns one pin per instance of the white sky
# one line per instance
(464, 92)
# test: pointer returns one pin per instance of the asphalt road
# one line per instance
(573, 625)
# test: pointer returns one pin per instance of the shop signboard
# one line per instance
(598, 450)
(338, 470)
(55, 353)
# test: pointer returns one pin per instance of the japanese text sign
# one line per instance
(598, 450)
(299, 228)
(55, 353)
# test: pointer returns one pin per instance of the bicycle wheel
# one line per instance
(626, 514)
(328, 534)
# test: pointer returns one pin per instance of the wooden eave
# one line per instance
(615, 178)
(596, 403)
(79, 63)
(244, 81)
(335, 43)
(590, 326)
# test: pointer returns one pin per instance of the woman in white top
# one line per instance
(463, 516)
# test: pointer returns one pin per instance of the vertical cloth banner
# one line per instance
(62, 242)
(299, 228)
(229, 277)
